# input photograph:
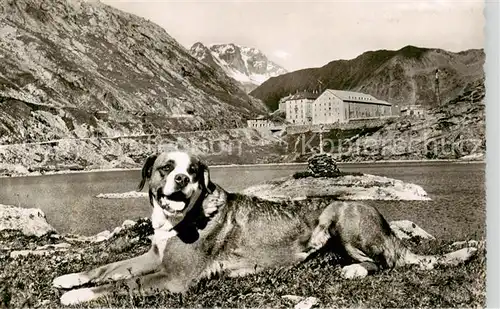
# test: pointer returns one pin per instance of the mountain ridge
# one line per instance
(405, 76)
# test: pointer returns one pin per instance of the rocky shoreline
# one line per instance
(12, 170)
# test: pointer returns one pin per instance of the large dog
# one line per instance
(200, 229)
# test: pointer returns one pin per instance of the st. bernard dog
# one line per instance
(200, 229)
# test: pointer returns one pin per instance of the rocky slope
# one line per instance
(81, 54)
(247, 65)
(74, 69)
(235, 146)
(455, 130)
(403, 77)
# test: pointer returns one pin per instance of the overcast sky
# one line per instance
(300, 34)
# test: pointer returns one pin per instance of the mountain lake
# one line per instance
(457, 210)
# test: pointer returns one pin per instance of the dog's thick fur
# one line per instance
(200, 229)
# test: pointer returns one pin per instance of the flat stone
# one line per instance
(348, 187)
(307, 303)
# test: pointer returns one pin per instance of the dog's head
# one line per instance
(175, 180)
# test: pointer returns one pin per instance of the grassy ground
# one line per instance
(26, 281)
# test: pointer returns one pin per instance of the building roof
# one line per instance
(283, 99)
(277, 119)
(260, 117)
(302, 95)
(353, 96)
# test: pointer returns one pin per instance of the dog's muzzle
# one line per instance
(165, 202)
(181, 180)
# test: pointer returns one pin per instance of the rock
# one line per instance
(348, 187)
(41, 250)
(474, 157)
(30, 221)
(102, 236)
(293, 298)
(19, 253)
(13, 169)
(302, 302)
(322, 165)
(307, 303)
(128, 223)
(405, 229)
(60, 246)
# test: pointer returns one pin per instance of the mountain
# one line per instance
(249, 66)
(81, 80)
(88, 57)
(403, 77)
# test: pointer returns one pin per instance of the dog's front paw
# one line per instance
(70, 280)
(78, 296)
(354, 271)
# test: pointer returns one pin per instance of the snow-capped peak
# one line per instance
(247, 65)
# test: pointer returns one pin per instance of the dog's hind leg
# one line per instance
(365, 236)
(125, 269)
(321, 233)
(368, 238)
(430, 261)
(358, 270)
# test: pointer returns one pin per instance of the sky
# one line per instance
(304, 34)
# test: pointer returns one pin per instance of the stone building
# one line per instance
(263, 122)
(413, 111)
(298, 107)
(342, 106)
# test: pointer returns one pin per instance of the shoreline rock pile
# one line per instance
(323, 165)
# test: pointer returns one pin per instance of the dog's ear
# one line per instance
(205, 177)
(146, 171)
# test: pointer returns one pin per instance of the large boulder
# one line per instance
(344, 187)
(29, 221)
(322, 165)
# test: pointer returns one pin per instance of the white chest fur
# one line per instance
(162, 229)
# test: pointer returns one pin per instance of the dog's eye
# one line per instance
(192, 169)
(167, 168)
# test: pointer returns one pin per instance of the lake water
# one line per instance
(457, 209)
